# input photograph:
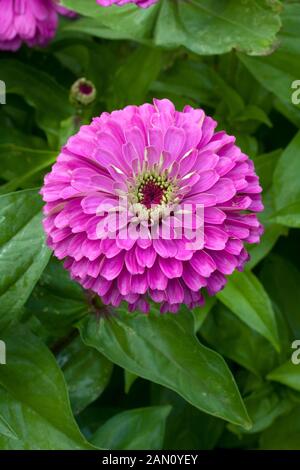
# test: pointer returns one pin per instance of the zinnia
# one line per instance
(139, 3)
(33, 22)
(159, 160)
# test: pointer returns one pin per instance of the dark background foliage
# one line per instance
(220, 376)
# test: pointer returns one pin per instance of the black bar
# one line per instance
(136, 459)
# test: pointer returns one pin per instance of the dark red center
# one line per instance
(152, 194)
(85, 89)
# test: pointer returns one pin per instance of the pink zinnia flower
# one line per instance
(158, 160)
(139, 3)
(33, 22)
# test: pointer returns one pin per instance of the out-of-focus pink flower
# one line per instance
(33, 22)
(153, 244)
(139, 3)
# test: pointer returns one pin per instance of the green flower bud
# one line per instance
(83, 92)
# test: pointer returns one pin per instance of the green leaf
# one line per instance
(86, 372)
(272, 231)
(232, 338)
(23, 254)
(189, 80)
(264, 405)
(57, 301)
(129, 378)
(289, 215)
(265, 165)
(20, 165)
(185, 424)
(49, 98)
(140, 68)
(279, 70)
(9, 133)
(286, 186)
(6, 430)
(270, 236)
(33, 397)
(284, 434)
(201, 313)
(204, 27)
(128, 22)
(287, 374)
(139, 429)
(147, 345)
(245, 296)
(84, 7)
(254, 113)
(282, 279)
(215, 27)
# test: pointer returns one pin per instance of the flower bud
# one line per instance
(83, 92)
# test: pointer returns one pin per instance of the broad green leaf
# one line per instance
(84, 7)
(232, 338)
(246, 142)
(86, 372)
(288, 374)
(9, 133)
(189, 80)
(49, 98)
(215, 27)
(6, 430)
(270, 236)
(95, 415)
(254, 113)
(196, 81)
(204, 27)
(281, 280)
(128, 22)
(164, 349)
(265, 165)
(272, 231)
(286, 187)
(140, 68)
(284, 434)
(21, 166)
(230, 440)
(57, 301)
(187, 428)
(95, 27)
(201, 313)
(129, 379)
(279, 70)
(23, 254)
(139, 429)
(289, 215)
(33, 397)
(264, 405)
(245, 296)
(18, 161)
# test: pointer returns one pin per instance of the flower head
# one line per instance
(151, 203)
(33, 22)
(139, 3)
